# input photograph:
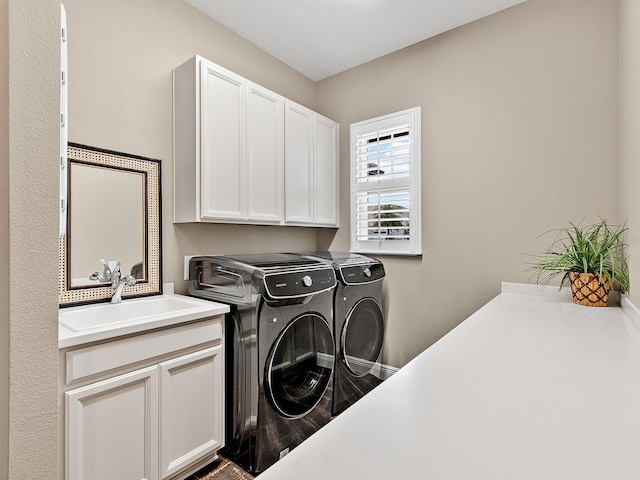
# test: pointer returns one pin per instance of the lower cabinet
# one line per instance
(112, 428)
(190, 409)
(161, 421)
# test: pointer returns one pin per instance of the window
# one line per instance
(385, 184)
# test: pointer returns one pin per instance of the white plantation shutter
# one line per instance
(385, 184)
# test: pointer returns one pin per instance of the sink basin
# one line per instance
(107, 315)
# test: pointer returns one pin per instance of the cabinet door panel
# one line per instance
(191, 411)
(326, 172)
(265, 155)
(112, 428)
(222, 143)
(298, 168)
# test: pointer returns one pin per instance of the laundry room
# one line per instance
(490, 138)
(512, 120)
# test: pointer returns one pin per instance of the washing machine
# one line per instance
(279, 349)
(358, 325)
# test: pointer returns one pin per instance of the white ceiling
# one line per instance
(320, 38)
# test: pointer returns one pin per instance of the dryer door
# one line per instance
(361, 337)
(299, 365)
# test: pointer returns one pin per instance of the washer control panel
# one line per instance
(299, 284)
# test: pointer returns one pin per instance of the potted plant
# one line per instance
(590, 259)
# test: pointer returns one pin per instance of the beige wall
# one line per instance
(629, 138)
(121, 55)
(4, 238)
(29, 166)
(519, 135)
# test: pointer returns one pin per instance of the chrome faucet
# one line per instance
(118, 282)
(105, 276)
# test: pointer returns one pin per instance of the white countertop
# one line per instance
(179, 309)
(530, 387)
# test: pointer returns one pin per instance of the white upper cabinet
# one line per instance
(231, 163)
(311, 166)
(299, 164)
(222, 131)
(265, 155)
(325, 171)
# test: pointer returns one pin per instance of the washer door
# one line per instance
(361, 337)
(299, 365)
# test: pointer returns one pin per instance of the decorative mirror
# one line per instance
(113, 217)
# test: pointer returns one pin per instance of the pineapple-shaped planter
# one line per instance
(589, 289)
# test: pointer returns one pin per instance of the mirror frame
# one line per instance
(152, 285)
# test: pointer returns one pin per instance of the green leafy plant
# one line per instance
(390, 217)
(597, 249)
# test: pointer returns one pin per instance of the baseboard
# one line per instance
(324, 360)
(383, 372)
(376, 369)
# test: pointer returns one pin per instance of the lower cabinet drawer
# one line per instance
(85, 362)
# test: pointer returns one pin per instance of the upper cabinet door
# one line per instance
(298, 164)
(265, 155)
(326, 172)
(222, 143)
(311, 168)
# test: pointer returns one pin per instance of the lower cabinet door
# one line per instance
(191, 409)
(112, 428)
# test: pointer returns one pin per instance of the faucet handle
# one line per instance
(96, 277)
(115, 273)
(114, 266)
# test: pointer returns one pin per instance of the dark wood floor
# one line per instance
(225, 469)
(221, 469)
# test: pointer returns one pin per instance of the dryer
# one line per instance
(279, 349)
(358, 325)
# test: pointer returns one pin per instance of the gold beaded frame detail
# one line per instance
(152, 284)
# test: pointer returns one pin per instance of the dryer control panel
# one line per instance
(357, 274)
